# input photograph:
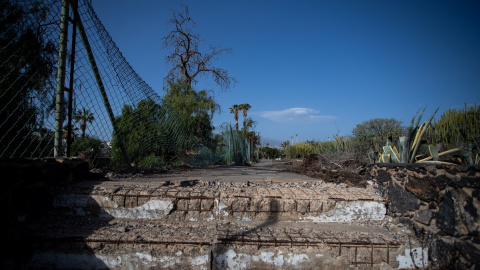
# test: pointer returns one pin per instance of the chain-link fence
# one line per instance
(67, 90)
(28, 57)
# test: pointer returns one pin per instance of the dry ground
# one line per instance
(336, 170)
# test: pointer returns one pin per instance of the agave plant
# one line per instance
(411, 142)
(467, 157)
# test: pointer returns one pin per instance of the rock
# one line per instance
(457, 214)
(424, 188)
(476, 194)
(441, 253)
(383, 176)
(441, 181)
(469, 182)
(469, 251)
(399, 200)
(446, 215)
(424, 216)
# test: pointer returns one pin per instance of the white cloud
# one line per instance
(295, 115)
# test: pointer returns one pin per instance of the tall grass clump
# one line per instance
(324, 148)
(458, 128)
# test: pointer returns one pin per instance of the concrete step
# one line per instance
(193, 224)
(86, 243)
(213, 201)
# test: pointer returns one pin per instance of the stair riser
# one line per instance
(215, 256)
(218, 209)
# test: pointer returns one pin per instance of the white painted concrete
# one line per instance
(351, 211)
(75, 203)
(233, 260)
(79, 204)
(153, 209)
(199, 262)
(220, 210)
(419, 260)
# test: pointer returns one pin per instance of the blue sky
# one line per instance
(317, 68)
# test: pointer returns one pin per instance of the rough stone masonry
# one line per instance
(440, 203)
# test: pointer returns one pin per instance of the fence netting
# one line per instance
(115, 116)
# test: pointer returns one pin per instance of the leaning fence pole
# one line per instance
(70, 90)
(98, 78)
(62, 59)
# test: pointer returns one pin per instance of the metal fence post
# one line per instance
(74, 3)
(101, 87)
(62, 58)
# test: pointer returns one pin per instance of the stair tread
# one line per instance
(157, 231)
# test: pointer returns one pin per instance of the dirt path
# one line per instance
(262, 172)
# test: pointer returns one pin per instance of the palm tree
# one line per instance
(249, 125)
(244, 107)
(285, 144)
(234, 109)
(83, 116)
(65, 132)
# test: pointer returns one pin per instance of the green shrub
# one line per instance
(145, 132)
(371, 135)
(271, 153)
(88, 148)
(151, 162)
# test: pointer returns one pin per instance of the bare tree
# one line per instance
(186, 60)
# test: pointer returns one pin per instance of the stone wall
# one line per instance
(441, 203)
